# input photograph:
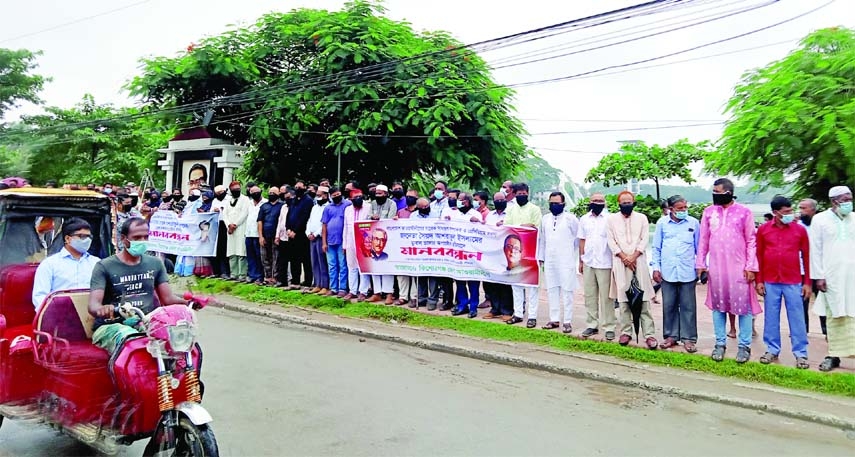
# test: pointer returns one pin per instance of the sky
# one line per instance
(566, 119)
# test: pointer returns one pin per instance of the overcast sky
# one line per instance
(100, 54)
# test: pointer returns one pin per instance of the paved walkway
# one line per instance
(706, 340)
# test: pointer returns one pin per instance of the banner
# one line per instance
(452, 249)
(189, 234)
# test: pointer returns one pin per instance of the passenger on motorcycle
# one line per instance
(129, 277)
(71, 267)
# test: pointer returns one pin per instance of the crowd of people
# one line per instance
(296, 237)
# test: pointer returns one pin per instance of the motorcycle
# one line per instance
(149, 387)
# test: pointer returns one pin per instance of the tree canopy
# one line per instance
(639, 161)
(793, 121)
(302, 88)
(17, 82)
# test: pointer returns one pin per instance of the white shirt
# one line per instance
(439, 208)
(314, 226)
(459, 216)
(594, 230)
(252, 218)
(61, 271)
(493, 218)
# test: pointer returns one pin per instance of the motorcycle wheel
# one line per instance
(191, 441)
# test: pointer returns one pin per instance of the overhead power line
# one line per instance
(76, 21)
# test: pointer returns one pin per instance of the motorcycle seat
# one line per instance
(16, 297)
(65, 317)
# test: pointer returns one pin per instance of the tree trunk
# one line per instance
(657, 188)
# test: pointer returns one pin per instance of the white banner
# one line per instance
(189, 234)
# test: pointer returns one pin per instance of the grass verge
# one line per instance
(842, 384)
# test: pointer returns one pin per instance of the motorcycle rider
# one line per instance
(131, 277)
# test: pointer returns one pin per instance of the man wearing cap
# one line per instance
(314, 231)
(234, 215)
(382, 207)
(832, 265)
(358, 284)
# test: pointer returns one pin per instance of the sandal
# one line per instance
(668, 343)
(829, 363)
(531, 323)
(551, 325)
(731, 334)
(802, 363)
(718, 353)
(568, 328)
(690, 347)
(768, 358)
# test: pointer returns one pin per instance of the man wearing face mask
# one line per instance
(268, 217)
(467, 291)
(595, 265)
(383, 208)
(130, 277)
(235, 213)
(332, 237)
(407, 286)
(674, 247)
(501, 296)
(255, 272)
(557, 248)
(729, 239)
(525, 215)
(426, 284)
(807, 210)
(220, 262)
(314, 231)
(124, 211)
(71, 267)
(439, 207)
(299, 211)
(398, 195)
(358, 283)
(194, 201)
(629, 233)
(832, 265)
(781, 246)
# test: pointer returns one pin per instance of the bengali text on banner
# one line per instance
(459, 250)
(188, 234)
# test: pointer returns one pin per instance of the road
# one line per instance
(284, 390)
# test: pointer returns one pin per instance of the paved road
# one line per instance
(282, 390)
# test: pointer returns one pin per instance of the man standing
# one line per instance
(467, 291)
(408, 289)
(71, 267)
(234, 216)
(358, 283)
(525, 215)
(332, 234)
(557, 246)
(255, 272)
(314, 232)
(629, 232)
(595, 264)
(298, 244)
(398, 196)
(501, 296)
(268, 218)
(675, 246)
(383, 208)
(832, 245)
(781, 246)
(728, 237)
(427, 285)
(124, 210)
(807, 210)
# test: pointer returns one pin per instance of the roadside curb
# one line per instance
(531, 363)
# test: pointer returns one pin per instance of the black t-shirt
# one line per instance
(134, 284)
(268, 215)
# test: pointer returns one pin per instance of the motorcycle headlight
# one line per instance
(181, 337)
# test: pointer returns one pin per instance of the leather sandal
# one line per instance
(668, 343)
(690, 347)
(768, 358)
(551, 325)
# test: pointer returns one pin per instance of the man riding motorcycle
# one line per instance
(128, 277)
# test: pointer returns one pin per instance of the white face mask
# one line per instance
(80, 245)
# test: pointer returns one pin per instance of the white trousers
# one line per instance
(383, 284)
(525, 297)
(557, 296)
(357, 283)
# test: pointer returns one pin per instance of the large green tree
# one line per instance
(17, 81)
(640, 161)
(793, 121)
(317, 86)
(539, 175)
(86, 143)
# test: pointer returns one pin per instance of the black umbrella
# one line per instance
(635, 297)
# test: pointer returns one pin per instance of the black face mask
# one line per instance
(522, 200)
(322, 201)
(556, 208)
(357, 201)
(283, 197)
(146, 196)
(299, 192)
(221, 196)
(135, 201)
(312, 195)
(381, 200)
(500, 206)
(411, 200)
(371, 194)
(255, 196)
(464, 209)
(273, 198)
(235, 193)
(193, 198)
(177, 198)
(805, 219)
(289, 201)
(722, 199)
(337, 200)
(167, 198)
(424, 211)
(626, 208)
(452, 202)
(596, 208)
(398, 193)
(126, 208)
(153, 199)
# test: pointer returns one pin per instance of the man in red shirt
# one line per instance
(780, 242)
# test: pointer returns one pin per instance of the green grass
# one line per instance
(830, 383)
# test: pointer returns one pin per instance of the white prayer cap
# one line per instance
(838, 191)
(323, 189)
(196, 192)
(382, 187)
(220, 188)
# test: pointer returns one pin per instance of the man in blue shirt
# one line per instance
(71, 267)
(675, 246)
(268, 221)
(332, 234)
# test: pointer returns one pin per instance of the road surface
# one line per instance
(284, 390)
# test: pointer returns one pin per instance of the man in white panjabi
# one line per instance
(832, 265)
(557, 252)
(234, 213)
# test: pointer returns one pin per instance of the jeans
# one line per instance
(337, 268)
(679, 308)
(792, 296)
(320, 268)
(467, 295)
(501, 299)
(300, 260)
(745, 329)
(253, 259)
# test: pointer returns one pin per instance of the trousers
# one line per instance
(320, 269)
(525, 297)
(270, 258)
(237, 266)
(645, 322)
(384, 284)
(679, 311)
(407, 288)
(746, 327)
(253, 259)
(791, 294)
(298, 257)
(560, 297)
(467, 294)
(501, 298)
(600, 309)
(337, 268)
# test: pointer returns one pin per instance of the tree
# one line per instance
(64, 145)
(305, 88)
(539, 175)
(793, 121)
(640, 161)
(17, 83)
